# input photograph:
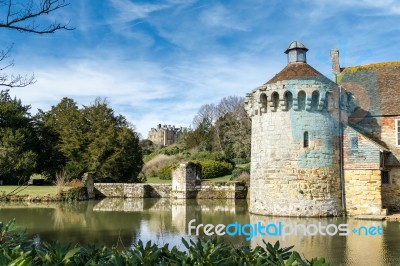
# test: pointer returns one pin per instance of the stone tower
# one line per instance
(294, 142)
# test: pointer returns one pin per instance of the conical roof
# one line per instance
(296, 45)
(297, 70)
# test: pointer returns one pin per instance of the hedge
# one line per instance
(213, 169)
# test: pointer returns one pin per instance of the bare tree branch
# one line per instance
(23, 17)
(26, 16)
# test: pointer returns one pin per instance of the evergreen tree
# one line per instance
(17, 140)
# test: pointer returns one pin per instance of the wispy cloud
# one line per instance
(159, 61)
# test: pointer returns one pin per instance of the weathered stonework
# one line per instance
(121, 190)
(363, 192)
(294, 149)
(391, 191)
(221, 190)
(185, 177)
(88, 183)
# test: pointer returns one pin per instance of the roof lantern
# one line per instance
(296, 52)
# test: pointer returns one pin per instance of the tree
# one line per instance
(92, 139)
(224, 128)
(62, 133)
(233, 128)
(31, 17)
(113, 152)
(17, 141)
(206, 114)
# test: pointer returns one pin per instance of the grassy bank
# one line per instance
(30, 190)
(39, 193)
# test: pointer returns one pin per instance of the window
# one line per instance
(354, 142)
(398, 132)
(306, 140)
(301, 100)
(275, 101)
(288, 100)
(385, 177)
(314, 100)
(264, 102)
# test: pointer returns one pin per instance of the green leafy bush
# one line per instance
(237, 172)
(215, 156)
(153, 167)
(240, 160)
(213, 169)
(165, 173)
(169, 151)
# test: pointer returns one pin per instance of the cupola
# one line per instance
(296, 52)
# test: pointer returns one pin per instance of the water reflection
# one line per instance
(123, 222)
(353, 249)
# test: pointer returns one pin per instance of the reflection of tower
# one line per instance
(294, 153)
(183, 210)
(332, 248)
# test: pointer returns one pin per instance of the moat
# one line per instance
(122, 222)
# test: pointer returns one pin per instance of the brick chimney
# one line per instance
(335, 62)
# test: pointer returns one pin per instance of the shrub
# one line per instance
(154, 166)
(165, 173)
(169, 150)
(240, 160)
(61, 181)
(75, 183)
(213, 169)
(16, 249)
(244, 177)
(215, 156)
(237, 172)
(246, 167)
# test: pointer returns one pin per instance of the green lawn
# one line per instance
(30, 190)
(219, 179)
(157, 180)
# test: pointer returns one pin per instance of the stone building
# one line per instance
(165, 135)
(305, 158)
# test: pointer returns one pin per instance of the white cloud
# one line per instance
(145, 92)
(220, 17)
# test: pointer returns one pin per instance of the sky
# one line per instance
(158, 62)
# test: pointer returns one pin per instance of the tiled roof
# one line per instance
(295, 70)
(376, 87)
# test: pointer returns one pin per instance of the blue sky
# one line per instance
(159, 61)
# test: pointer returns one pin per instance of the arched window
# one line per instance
(306, 140)
(301, 100)
(264, 101)
(275, 101)
(314, 100)
(328, 103)
(288, 100)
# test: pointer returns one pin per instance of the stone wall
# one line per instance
(207, 190)
(120, 190)
(363, 192)
(221, 190)
(287, 178)
(185, 177)
(391, 191)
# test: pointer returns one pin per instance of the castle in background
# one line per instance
(320, 147)
(165, 135)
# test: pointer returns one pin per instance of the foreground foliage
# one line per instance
(15, 249)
